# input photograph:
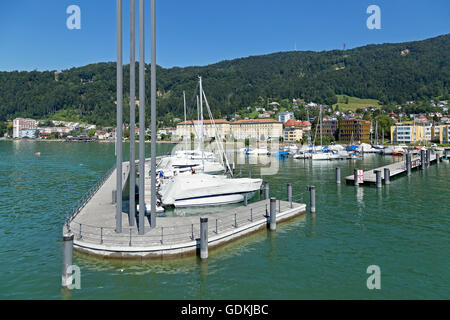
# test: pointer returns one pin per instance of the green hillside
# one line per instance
(381, 72)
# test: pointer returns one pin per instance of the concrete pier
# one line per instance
(94, 225)
(395, 169)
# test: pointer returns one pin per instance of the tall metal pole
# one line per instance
(132, 211)
(153, 113)
(185, 123)
(119, 119)
(201, 123)
(141, 117)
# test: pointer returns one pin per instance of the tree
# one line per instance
(91, 133)
(384, 124)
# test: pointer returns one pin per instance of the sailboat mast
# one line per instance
(321, 125)
(201, 123)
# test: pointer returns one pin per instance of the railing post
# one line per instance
(245, 200)
(273, 214)
(217, 229)
(289, 190)
(251, 214)
(114, 196)
(235, 220)
(279, 205)
(387, 176)
(203, 238)
(162, 235)
(378, 178)
(101, 235)
(80, 232)
(192, 231)
(67, 260)
(338, 175)
(130, 238)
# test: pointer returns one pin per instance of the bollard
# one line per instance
(437, 159)
(273, 214)
(387, 176)
(289, 191)
(245, 199)
(408, 164)
(355, 177)
(312, 198)
(428, 158)
(422, 159)
(114, 196)
(378, 178)
(266, 190)
(203, 238)
(67, 260)
(338, 175)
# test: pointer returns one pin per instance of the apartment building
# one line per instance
(295, 130)
(356, 130)
(23, 127)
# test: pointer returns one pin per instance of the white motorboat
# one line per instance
(259, 151)
(204, 190)
(388, 150)
(302, 155)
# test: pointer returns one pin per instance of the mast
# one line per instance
(153, 113)
(132, 195)
(119, 93)
(321, 125)
(201, 123)
(185, 123)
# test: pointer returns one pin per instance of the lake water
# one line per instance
(402, 228)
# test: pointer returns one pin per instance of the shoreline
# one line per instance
(63, 140)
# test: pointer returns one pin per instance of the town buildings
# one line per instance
(24, 128)
(294, 131)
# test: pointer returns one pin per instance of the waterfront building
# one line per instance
(26, 125)
(354, 130)
(295, 130)
(240, 129)
(444, 133)
(330, 128)
(189, 128)
(262, 129)
(285, 116)
(412, 132)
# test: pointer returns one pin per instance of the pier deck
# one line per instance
(94, 227)
(395, 169)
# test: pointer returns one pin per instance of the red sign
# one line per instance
(360, 175)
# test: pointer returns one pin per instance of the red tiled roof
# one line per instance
(293, 123)
(255, 121)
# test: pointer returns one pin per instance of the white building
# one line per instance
(20, 124)
(285, 116)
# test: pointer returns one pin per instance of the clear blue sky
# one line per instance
(33, 34)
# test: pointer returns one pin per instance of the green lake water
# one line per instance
(402, 228)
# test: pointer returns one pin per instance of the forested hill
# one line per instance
(387, 72)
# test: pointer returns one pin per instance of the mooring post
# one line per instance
(445, 154)
(408, 164)
(67, 260)
(114, 196)
(422, 159)
(437, 159)
(245, 200)
(428, 158)
(338, 175)
(289, 191)
(355, 177)
(387, 176)
(203, 238)
(312, 198)
(266, 190)
(273, 214)
(378, 178)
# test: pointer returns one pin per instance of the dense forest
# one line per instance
(391, 73)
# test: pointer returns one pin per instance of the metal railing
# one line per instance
(169, 235)
(81, 203)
